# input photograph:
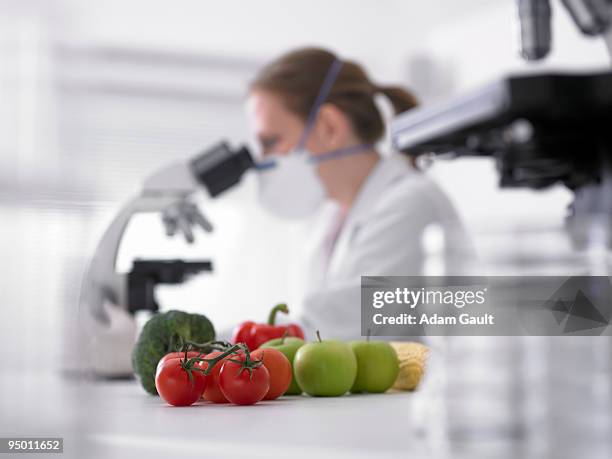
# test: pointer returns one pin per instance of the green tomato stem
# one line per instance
(212, 362)
(209, 346)
(246, 364)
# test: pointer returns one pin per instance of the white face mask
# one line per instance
(290, 187)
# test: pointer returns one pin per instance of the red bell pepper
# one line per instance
(254, 335)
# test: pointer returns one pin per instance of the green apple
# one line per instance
(288, 346)
(377, 366)
(325, 368)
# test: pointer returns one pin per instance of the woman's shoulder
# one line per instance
(413, 190)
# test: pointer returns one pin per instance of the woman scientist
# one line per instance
(317, 124)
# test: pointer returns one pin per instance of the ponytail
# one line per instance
(297, 77)
(401, 99)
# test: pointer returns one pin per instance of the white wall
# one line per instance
(380, 34)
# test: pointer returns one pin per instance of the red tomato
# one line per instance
(213, 393)
(174, 385)
(279, 368)
(173, 355)
(242, 386)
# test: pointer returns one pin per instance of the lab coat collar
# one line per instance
(387, 171)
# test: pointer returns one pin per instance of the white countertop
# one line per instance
(129, 423)
(117, 419)
(503, 398)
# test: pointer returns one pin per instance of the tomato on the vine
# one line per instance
(243, 381)
(180, 382)
(213, 393)
(172, 355)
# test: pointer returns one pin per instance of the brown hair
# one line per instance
(298, 75)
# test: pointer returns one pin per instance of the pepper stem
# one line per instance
(319, 336)
(282, 307)
(284, 336)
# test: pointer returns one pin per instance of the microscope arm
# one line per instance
(104, 293)
(103, 303)
(102, 282)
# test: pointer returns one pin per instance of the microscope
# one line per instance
(109, 299)
(540, 129)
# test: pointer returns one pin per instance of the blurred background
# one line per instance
(94, 96)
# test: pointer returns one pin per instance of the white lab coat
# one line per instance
(382, 235)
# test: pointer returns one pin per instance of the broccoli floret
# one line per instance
(156, 337)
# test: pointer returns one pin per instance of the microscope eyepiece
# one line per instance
(221, 167)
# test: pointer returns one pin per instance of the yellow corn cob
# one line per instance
(412, 359)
